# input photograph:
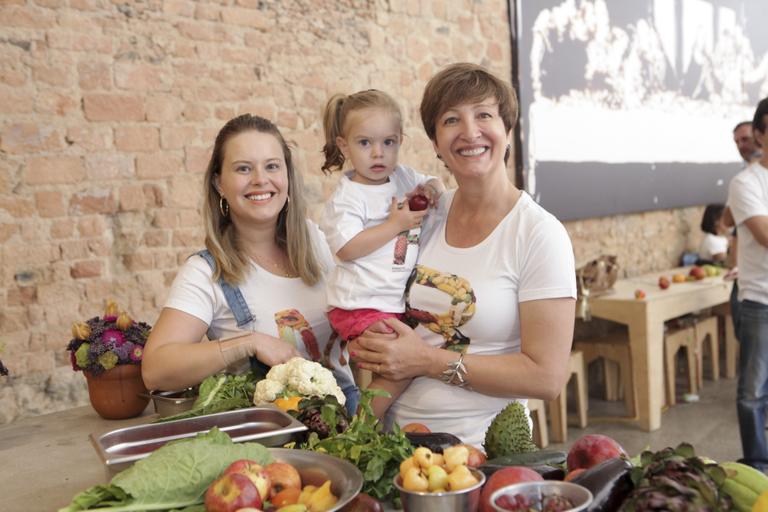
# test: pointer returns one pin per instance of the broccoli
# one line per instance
(509, 432)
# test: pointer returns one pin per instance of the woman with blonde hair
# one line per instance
(258, 290)
(491, 299)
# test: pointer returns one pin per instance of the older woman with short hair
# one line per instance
(491, 300)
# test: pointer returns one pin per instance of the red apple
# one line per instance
(282, 476)
(254, 471)
(639, 294)
(416, 427)
(592, 449)
(697, 273)
(503, 478)
(476, 457)
(663, 283)
(232, 492)
(418, 202)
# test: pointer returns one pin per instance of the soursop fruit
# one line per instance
(509, 432)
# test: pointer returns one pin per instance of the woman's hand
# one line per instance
(272, 351)
(397, 355)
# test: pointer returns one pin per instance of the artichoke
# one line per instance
(677, 480)
(324, 416)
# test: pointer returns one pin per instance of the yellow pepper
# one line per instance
(761, 503)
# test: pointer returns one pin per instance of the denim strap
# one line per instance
(232, 294)
(238, 306)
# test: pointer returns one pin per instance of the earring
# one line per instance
(439, 156)
(223, 206)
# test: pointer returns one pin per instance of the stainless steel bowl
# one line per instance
(579, 496)
(315, 468)
(465, 500)
(168, 403)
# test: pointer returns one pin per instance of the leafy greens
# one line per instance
(376, 454)
(220, 393)
(173, 477)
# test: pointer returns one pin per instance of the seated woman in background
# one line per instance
(258, 291)
(714, 246)
(493, 293)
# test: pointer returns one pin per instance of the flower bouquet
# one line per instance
(108, 350)
(102, 343)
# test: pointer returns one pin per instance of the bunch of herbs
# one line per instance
(377, 454)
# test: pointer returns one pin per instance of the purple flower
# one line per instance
(113, 337)
(124, 351)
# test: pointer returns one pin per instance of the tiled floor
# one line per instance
(710, 425)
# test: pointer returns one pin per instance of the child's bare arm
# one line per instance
(399, 220)
(395, 388)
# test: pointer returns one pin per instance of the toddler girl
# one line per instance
(368, 222)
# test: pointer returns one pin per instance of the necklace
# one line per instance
(278, 268)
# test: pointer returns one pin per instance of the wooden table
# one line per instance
(46, 460)
(645, 319)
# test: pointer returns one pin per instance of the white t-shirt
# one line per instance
(711, 245)
(282, 307)
(748, 197)
(470, 296)
(377, 280)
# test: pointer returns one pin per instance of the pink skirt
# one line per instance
(349, 324)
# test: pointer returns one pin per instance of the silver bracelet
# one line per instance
(456, 373)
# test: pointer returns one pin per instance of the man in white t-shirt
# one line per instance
(745, 142)
(748, 200)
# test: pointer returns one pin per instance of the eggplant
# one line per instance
(435, 441)
(609, 482)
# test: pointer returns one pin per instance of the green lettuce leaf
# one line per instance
(173, 477)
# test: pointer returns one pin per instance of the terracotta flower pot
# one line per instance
(115, 393)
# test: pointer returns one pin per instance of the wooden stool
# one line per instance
(539, 417)
(612, 349)
(706, 331)
(730, 344)
(558, 408)
(673, 342)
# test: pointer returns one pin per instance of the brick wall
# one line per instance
(107, 113)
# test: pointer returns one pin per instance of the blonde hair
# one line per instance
(292, 233)
(335, 116)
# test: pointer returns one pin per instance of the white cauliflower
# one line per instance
(298, 375)
(267, 391)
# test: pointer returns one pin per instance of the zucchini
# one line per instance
(537, 458)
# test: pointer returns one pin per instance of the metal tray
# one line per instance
(269, 426)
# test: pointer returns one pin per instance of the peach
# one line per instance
(592, 449)
(503, 478)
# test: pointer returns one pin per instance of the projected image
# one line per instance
(629, 106)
